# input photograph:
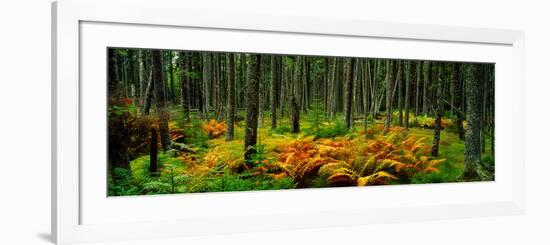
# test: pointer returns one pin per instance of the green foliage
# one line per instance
(329, 130)
(282, 129)
(260, 156)
(124, 185)
(195, 136)
(230, 182)
(327, 155)
(137, 180)
(315, 117)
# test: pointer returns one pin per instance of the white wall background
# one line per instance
(25, 123)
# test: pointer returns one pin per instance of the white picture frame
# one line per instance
(76, 22)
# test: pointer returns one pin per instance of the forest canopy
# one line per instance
(184, 121)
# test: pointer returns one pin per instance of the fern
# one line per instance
(214, 128)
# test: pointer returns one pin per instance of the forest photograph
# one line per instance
(184, 121)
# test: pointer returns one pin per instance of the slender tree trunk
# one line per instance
(184, 86)
(131, 82)
(472, 147)
(389, 84)
(231, 86)
(294, 103)
(149, 92)
(373, 75)
(153, 151)
(399, 81)
(273, 92)
(366, 94)
(358, 87)
(243, 80)
(334, 90)
(349, 95)
(326, 85)
(113, 69)
(410, 77)
(484, 106)
(427, 78)
(284, 86)
(160, 96)
(439, 110)
(252, 108)
(171, 71)
(141, 77)
(207, 81)
(418, 82)
(457, 82)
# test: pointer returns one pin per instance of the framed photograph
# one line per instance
(212, 122)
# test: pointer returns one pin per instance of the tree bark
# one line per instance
(349, 95)
(252, 109)
(207, 81)
(439, 110)
(273, 92)
(472, 147)
(231, 87)
(389, 84)
(427, 78)
(366, 94)
(294, 103)
(399, 81)
(171, 72)
(334, 90)
(485, 81)
(325, 85)
(284, 87)
(457, 82)
(141, 77)
(153, 159)
(185, 80)
(410, 77)
(160, 96)
(418, 82)
(149, 89)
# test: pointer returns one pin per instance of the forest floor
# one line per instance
(212, 164)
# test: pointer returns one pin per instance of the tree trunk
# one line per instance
(325, 85)
(141, 77)
(389, 84)
(334, 90)
(439, 110)
(472, 147)
(149, 91)
(410, 76)
(399, 81)
(457, 82)
(185, 80)
(418, 82)
(284, 87)
(112, 69)
(207, 81)
(366, 94)
(485, 81)
(273, 92)
(171, 72)
(153, 159)
(231, 86)
(294, 103)
(160, 96)
(349, 95)
(427, 78)
(252, 109)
